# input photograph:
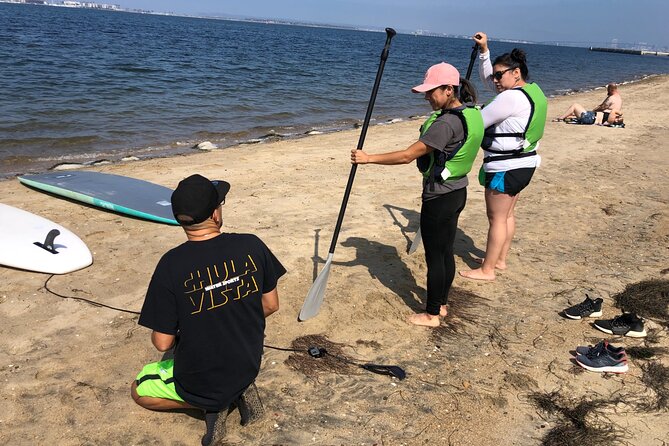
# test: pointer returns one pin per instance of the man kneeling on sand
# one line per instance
(208, 299)
(609, 112)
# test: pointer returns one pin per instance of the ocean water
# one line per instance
(82, 85)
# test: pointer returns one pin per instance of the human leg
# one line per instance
(154, 388)
(498, 205)
(510, 232)
(574, 111)
(449, 224)
(439, 219)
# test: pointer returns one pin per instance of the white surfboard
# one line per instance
(22, 243)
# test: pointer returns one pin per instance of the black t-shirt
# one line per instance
(208, 293)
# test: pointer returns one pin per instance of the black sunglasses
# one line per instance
(498, 74)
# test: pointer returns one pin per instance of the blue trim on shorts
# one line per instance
(497, 182)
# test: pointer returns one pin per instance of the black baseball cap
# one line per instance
(196, 198)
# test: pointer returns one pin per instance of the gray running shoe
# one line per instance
(602, 345)
(603, 362)
(588, 308)
(627, 324)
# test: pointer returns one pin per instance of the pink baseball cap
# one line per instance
(438, 75)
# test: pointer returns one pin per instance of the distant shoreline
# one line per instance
(270, 21)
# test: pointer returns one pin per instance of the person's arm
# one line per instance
(485, 66)
(606, 105)
(405, 156)
(162, 341)
(503, 106)
(270, 302)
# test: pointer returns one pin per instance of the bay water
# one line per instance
(81, 85)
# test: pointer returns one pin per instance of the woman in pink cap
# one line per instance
(514, 123)
(445, 151)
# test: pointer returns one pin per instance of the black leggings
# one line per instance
(438, 224)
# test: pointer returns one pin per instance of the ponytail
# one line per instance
(515, 59)
(466, 92)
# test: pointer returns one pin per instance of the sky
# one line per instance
(576, 21)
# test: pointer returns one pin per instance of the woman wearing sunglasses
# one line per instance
(445, 152)
(514, 123)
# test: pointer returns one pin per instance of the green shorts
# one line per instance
(156, 380)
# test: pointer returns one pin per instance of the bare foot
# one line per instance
(443, 311)
(424, 320)
(477, 274)
(500, 265)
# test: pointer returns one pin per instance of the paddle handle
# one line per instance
(390, 33)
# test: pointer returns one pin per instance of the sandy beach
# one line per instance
(594, 220)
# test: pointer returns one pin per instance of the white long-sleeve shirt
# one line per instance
(509, 112)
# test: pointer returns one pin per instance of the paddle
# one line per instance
(314, 299)
(417, 239)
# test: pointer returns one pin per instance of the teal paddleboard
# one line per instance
(117, 193)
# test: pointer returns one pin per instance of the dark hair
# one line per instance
(465, 92)
(515, 59)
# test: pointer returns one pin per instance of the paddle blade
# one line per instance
(416, 242)
(314, 299)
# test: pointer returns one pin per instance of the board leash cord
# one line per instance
(315, 352)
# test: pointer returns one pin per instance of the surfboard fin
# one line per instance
(48, 241)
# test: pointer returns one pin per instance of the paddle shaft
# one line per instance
(390, 33)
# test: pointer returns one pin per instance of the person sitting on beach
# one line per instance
(609, 112)
(449, 141)
(208, 299)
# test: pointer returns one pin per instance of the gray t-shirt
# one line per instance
(445, 135)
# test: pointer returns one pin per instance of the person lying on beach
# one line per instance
(208, 299)
(609, 112)
(445, 153)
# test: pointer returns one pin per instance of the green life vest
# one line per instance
(534, 130)
(440, 166)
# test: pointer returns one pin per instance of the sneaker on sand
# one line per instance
(215, 423)
(627, 324)
(588, 308)
(602, 345)
(250, 406)
(603, 362)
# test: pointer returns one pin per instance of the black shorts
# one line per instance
(510, 182)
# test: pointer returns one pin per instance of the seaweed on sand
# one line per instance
(656, 377)
(464, 307)
(648, 298)
(643, 352)
(333, 362)
(579, 422)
